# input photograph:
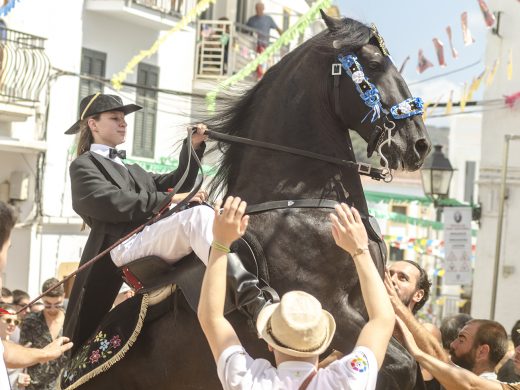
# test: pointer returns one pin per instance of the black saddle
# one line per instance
(152, 272)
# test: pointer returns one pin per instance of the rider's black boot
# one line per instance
(243, 290)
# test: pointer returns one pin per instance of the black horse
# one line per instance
(298, 104)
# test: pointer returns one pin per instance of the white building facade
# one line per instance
(495, 125)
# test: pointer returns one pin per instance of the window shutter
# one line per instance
(146, 119)
(93, 63)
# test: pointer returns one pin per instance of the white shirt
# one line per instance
(239, 371)
(104, 150)
(4, 378)
(491, 376)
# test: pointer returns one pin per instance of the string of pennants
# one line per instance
(485, 76)
(424, 63)
(423, 246)
(118, 78)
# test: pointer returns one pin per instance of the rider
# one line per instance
(114, 198)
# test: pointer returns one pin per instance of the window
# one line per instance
(242, 11)
(400, 210)
(146, 119)
(93, 63)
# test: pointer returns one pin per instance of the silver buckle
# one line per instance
(364, 168)
(336, 69)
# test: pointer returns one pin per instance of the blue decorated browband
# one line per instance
(410, 107)
(370, 94)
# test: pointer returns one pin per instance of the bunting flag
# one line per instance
(439, 49)
(466, 34)
(423, 63)
(119, 78)
(475, 85)
(426, 106)
(512, 99)
(454, 52)
(7, 7)
(492, 72)
(449, 105)
(463, 98)
(510, 65)
(286, 38)
(489, 18)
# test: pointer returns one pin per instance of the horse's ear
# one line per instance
(333, 24)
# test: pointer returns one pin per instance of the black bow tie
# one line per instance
(119, 153)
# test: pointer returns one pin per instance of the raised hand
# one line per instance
(347, 229)
(199, 135)
(230, 224)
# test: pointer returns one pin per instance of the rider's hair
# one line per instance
(85, 135)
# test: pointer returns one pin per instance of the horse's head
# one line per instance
(371, 97)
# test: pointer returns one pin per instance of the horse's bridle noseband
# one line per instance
(370, 95)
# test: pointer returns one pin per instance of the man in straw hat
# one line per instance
(297, 330)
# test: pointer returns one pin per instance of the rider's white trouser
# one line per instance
(171, 238)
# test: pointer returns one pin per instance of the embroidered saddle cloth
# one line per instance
(113, 339)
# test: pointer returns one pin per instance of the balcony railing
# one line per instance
(224, 47)
(172, 7)
(24, 67)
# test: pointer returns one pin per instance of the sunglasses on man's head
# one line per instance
(10, 321)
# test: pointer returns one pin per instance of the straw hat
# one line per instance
(297, 326)
(98, 103)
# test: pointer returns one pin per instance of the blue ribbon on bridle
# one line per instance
(371, 96)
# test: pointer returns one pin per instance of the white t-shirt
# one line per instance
(4, 379)
(239, 371)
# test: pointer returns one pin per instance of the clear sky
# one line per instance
(410, 25)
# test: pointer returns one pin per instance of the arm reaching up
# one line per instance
(349, 233)
(449, 376)
(228, 226)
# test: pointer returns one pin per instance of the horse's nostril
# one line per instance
(422, 146)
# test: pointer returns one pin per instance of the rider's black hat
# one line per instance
(98, 103)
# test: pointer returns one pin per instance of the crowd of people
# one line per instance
(113, 198)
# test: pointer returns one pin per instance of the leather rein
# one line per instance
(361, 168)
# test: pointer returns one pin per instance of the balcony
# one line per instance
(25, 70)
(155, 14)
(224, 47)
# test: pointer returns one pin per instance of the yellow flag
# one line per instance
(425, 110)
(449, 105)
(493, 72)
(463, 98)
(510, 65)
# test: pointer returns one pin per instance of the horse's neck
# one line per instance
(300, 121)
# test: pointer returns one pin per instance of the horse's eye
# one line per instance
(374, 65)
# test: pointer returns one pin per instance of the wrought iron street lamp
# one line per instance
(436, 174)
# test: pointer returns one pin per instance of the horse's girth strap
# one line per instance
(292, 204)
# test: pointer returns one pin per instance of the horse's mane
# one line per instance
(236, 110)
